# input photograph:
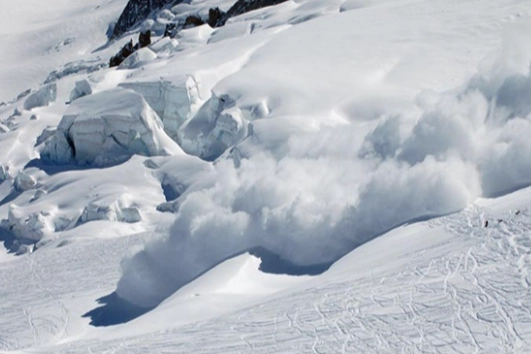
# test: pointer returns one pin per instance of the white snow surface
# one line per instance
(107, 128)
(388, 139)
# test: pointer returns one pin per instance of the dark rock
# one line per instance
(136, 11)
(126, 51)
(144, 39)
(171, 30)
(193, 21)
(215, 16)
(243, 6)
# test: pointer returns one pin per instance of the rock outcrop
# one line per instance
(136, 11)
(243, 6)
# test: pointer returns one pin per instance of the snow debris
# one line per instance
(4, 173)
(164, 47)
(173, 101)
(39, 193)
(218, 125)
(311, 193)
(3, 129)
(24, 249)
(24, 182)
(32, 227)
(83, 88)
(139, 58)
(113, 212)
(43, 97)
(107, 128)
(45, 135)
(16, 112)
(130, 215)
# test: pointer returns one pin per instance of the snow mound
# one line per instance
(172, 101)
(139, 58)
(43, 97)
(24, 182)
(107, 128)
(82, 88)
(4, 173)
(218, 125)
(32, 227)
(112, 212)
(164, 47)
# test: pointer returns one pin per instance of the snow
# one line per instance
(138, 59)
(107, 128)
(217, 126)
(24, 182)
(173, 101)
(43, 97)
(82, 88)
(313, 176)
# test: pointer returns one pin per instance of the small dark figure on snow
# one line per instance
(486, 223)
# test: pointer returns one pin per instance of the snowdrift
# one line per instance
(107, 128)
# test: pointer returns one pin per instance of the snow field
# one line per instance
(307, 130)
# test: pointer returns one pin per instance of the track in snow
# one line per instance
(469, 298)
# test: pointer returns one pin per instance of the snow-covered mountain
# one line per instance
(298, 176)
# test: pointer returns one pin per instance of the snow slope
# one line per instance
(227, 191)
(447, 285)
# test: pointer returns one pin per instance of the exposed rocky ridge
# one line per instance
(243, 6)
(136, 11)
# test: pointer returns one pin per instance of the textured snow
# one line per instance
(217, 126)
(82, 88)
(363, 136)
(107, 128)
(43, 97)
(173, 101)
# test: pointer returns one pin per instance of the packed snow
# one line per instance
(107, 128)
(315, 176)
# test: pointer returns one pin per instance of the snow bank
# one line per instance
(312, 192)
(32, 227)
(24, 182)
(164, 46)
(82, 88)
(137, 59)
(113, 212)
(107, 128)
(172, 101)
(218, 125)
(43, 97)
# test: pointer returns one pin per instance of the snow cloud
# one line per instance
(310, 195)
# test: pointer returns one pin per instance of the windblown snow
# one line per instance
(314, 176)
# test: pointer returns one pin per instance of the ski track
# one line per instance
(473, 300)
(37, 287)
